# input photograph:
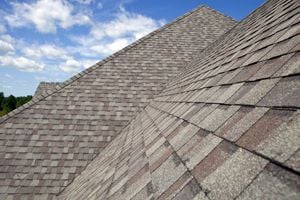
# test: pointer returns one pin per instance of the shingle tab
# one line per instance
(273, 183)
(286, 93)
(234, 175)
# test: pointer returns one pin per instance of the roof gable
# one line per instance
(45, 87)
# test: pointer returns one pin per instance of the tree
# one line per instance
(1, 100)
(23, 100)
(10, 103)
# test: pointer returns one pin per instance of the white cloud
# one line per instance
(104, 49)
(88, 63)
(108, 37)
(46, 51)
(8, 38)
(126, 24)
(71, 66)
(46, 15)
(21, 63)
(5, 47)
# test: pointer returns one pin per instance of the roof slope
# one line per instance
(226, 128)
(45, 87)
(47, 142)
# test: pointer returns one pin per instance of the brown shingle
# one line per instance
(214, 159)
(263, 128)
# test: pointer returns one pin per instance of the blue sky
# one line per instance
(49, 40)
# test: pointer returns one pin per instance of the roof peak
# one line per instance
(108, 58)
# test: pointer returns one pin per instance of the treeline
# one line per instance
(11, 102)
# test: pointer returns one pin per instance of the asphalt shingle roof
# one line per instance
(227, 127)
(50, 140)
(45, 87)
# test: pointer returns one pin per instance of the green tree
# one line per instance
(10, 103)
(23, 100)
(1, 100)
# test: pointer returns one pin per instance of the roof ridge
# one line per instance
(213, 10)
(98, 64)
(191, 66)
(51, 82)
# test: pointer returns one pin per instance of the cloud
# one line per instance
(21, 63)
(46, 15)
(108, 37)
(49, 51)
(5, 47)
(73, 66)
(126, 24)
(86, 63)
(7, 38)
(104, 49)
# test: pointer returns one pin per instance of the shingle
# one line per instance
(285, 93)
(263, 128)
(239, 123)
(215, 119)
(155, 145)
(228, 93)
(199, 150)
(201, 196)
(231, 178)
(46, 87)
(144, 193)
(137, 186)
(294, 161)
(283, 47)
(159, 156)
(241, 92)
(229, 75)
(164, 176)
(256, 93)
(291, 67)
(203, 112)
(213, 160)
(246, 72)
(190, 190)
(182, 135)
(192, 111)
(273, 183)
(270, 67)
(176, 187)
(283, 142)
